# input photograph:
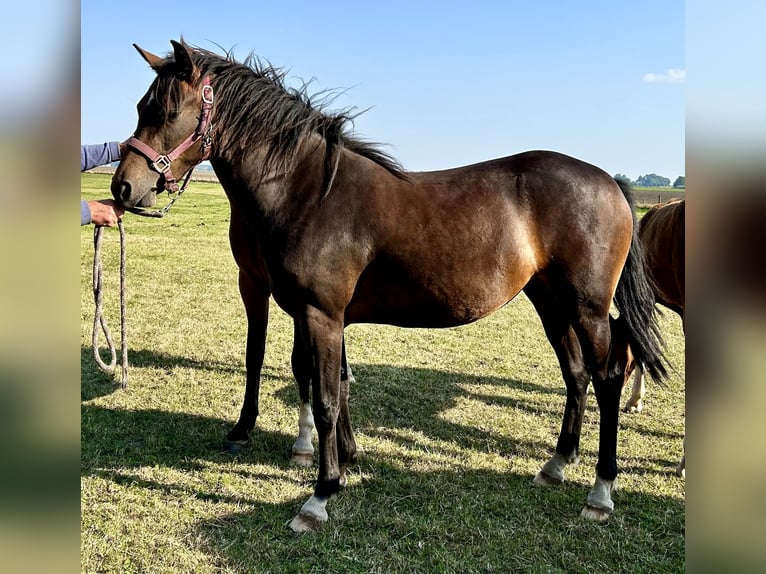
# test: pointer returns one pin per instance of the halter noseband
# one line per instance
(161, 162)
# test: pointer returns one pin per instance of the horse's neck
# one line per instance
(276, 191)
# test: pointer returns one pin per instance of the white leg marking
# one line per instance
(636, 401)
(311, 516)
(599, 505)
(681, 468)
(552, 472)
(303, 450)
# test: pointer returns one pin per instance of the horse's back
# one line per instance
(544, 187)
(662, 235)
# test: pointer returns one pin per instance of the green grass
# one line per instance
(452, 425)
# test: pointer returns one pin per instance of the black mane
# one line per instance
(259, 107)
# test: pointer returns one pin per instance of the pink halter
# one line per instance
(161, 163)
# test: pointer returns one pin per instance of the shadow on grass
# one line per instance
(392, 516)
(476, 520)
(385, 398)
(94, 383)
(136, 438)
(152, 359)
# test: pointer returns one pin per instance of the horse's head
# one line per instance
(173, 131)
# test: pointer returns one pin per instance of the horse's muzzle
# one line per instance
(124, 193)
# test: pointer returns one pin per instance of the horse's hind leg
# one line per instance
(567, 347)
(681, 468)
(588, 355)
(635, 403)
(345, 434)
(605, 344)
(303, 449)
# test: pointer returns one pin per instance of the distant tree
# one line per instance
(652, 180)
(623, 177)
(680, 182)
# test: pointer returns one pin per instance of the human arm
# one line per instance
(102, 212)
(94, 155)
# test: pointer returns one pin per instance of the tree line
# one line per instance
(653, 180)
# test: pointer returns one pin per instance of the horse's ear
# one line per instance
(184, 65)
(154, 61)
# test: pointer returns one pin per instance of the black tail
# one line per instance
(634, 299)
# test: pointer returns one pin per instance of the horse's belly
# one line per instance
(407, 303)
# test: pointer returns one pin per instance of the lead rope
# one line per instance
(99, 322)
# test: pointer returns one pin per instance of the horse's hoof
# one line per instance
(235, 446)
(552, 472)
(303, 459)
(305, 523)
(633, 408)
(311, 516)
(542, 479)
(595, 514)
(599, 505)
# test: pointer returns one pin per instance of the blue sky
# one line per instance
(447, 83)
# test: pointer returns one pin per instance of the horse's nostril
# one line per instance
(125, 190)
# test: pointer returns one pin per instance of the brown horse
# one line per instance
(346, 236)
(662, 235)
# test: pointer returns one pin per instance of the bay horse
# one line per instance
(661, 232)
(345, 235)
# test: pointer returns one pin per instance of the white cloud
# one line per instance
(671, 76)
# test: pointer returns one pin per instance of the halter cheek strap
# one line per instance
(161, 162)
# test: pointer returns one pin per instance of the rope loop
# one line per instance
(99, 321)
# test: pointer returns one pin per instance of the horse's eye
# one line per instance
(172, 115)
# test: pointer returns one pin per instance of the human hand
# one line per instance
(105, 212)
(123, 148)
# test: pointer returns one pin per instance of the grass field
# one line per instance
(452, 425)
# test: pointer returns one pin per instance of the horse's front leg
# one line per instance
(324, 335)
(256, 299)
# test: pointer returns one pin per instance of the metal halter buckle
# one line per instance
(207, 94)
(161, 164)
